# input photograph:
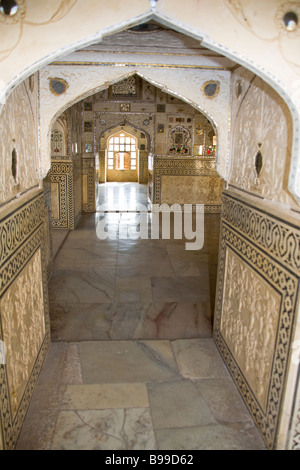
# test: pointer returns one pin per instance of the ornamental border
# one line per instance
(18, 225)
(88, 169)
(276, 236)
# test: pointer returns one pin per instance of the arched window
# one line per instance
(122, 152)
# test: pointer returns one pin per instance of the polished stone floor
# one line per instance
(132, 364)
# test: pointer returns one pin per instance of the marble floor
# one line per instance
(132, 363)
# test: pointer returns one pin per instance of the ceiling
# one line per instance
(151, 44)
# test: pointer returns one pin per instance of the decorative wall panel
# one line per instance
(89, 182)
(102, 168)
(249, 320)
(48, 225)
(143, 167)
(18, 130)
(24, 317)
(61, 187)
(194, 180)
(55, 187)
(66, 192)
(23, 326)
(77, 188)
(192, 190)
(256, 302)
(261, 121)
(294, 438)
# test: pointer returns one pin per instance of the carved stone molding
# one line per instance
(257, 250)
(280, 239)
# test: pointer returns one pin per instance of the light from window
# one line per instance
(122, 152)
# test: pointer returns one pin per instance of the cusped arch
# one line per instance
(71, 100)
(238, 55)
(131, 125)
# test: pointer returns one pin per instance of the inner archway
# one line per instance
(122, 158)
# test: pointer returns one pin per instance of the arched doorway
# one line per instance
(122, 158)
(237, 227)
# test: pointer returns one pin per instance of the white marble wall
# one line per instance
(260, 121)
(19, 132)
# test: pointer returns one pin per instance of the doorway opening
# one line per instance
(122, 158)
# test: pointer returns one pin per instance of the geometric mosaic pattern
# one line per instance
(62, 174)
(267, 246)
(88, 171)
(65, 177)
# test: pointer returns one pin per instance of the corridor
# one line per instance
(132, 364)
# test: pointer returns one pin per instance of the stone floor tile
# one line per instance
(177, 404)
(185, 289)
(162, 320)
(130, 321)
(82, 286)
(61, 365)
(117, 429)
(183, 268)
(81, 322)
(39, 425)
(126, 361)
(224, 400)
(86, 255)
(102, 396)
(143, 265)
(210, 437)
(133, 289)
(199, 358)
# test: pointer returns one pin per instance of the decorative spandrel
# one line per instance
(205, 139)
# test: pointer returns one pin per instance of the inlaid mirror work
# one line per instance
(205, 140)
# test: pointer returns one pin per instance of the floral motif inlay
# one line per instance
(249, 322)
(22, 317)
